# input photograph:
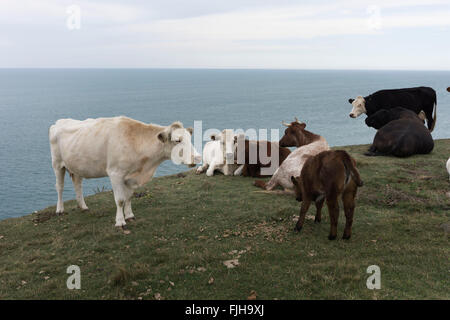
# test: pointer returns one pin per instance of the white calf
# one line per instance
(218, 154)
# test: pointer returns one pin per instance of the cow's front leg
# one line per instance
(212, 167)
(121, 194)
(202, 168)
(238, 171)
(127, 211)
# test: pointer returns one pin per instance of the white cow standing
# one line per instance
(218, 154)
(126, 150)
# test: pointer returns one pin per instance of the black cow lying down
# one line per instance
(401, 133)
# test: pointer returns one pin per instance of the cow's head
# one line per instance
(228, 139)
(178, 146)
(294, 135)
(359, 106)
(297, 188)
(448, 89)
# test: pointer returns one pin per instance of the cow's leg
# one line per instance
(348, 198)
(59, 173)
(301, 219)
(211, 168)
(202, 168)
(121, 195)
(77, 183)
(127, 210)
(333, 211)
(319, 205)
(238, 171)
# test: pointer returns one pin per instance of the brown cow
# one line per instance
(324, 177)
(252, 165)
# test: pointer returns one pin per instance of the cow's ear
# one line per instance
(303, 125)
(164, 136)
(190, 130)
(351, 100)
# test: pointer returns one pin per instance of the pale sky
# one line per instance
(281, 34)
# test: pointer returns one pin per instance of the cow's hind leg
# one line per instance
(59, 173)
(122, 194)
(127, 211)
(77, 183)
(319, 205)
(333, 211)
(348, 198)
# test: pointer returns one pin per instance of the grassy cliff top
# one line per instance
(189, 228)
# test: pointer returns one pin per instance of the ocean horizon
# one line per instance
(32, 99)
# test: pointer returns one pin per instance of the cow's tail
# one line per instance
(350, 168)
(431, 126)
(52, 134)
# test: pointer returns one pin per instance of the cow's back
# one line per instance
(403, 138)
(416, 99)
(89, 147)
(293, 164)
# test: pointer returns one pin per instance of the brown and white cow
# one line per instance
(308, 144)
(326, 176)
(126, 150)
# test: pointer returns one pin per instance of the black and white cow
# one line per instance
(414, 99)
(401, 133)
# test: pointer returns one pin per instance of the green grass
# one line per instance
(188, 226)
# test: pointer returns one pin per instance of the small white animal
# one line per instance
(218, 154)
(448, 168)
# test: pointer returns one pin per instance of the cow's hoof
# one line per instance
(317, 220)
(121, 226)
(84, 209)
(346, 237)
(330, 237)
(132, 219)
(297, 229)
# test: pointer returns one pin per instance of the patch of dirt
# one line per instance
(271, 231)
(46, 215)
(392, 196)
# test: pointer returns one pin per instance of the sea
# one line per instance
(31, 100)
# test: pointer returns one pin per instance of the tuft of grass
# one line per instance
(190, 229)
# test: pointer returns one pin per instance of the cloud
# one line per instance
(295, 22)
(238, 33)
